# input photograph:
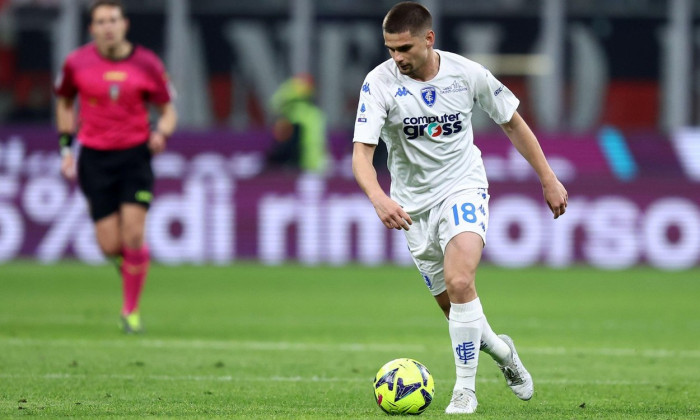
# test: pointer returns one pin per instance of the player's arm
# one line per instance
(526, 143)
(65, 123)
(388, 210)
(165, 127)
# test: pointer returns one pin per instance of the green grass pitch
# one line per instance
(248, 341)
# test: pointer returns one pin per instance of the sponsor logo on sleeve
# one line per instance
(361, 118)
(59, 80)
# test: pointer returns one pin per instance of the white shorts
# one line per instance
(432, 230)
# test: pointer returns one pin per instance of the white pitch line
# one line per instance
(131, 342)
(603, 351)
(214, 345)
(311, 379)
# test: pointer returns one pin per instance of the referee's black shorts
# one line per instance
(110, 178)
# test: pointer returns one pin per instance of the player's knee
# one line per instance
(111, 249)
(465, 274)
(133, 234)
(133, 241)
(110, 243)
(462, 284)
(133, 238)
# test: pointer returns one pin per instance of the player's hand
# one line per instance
(391, 213)
(68, 167)
(556, 196)
(157, 142)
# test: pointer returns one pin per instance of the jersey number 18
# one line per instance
(468, 213)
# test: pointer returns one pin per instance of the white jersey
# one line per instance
(427, 127)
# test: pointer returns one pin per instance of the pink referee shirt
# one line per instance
(113, 95)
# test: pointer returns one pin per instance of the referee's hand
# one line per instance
(68, 166)
(157, 142)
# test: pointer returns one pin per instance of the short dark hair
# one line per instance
(113, 3)
(408, 16)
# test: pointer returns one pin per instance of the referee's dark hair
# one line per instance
(113, 3)
(408, 16)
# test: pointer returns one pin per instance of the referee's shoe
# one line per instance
(132, 323)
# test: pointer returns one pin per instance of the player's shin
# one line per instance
(134, 270)
(465, 327)
(492, 344)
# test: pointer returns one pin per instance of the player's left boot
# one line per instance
(132, 323)
(517, 377)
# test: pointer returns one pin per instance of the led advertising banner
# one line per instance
(630, 202)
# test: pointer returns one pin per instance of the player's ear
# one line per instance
(430, 38)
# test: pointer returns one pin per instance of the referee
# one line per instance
(115, 81)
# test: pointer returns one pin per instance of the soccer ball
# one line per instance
(403, 386)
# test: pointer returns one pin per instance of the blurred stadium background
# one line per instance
(611, 87)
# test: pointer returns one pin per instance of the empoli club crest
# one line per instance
(428, 95)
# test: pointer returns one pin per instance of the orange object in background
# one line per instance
(221, 93)
(631, 104)
(8, 62)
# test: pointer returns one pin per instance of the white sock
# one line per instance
(492, 345)
(465, 327)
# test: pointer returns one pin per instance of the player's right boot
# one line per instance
(463, 402)
(132, 323)
(517, 377)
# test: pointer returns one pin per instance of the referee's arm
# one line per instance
(165, 127)
(65, 114)
(65, 124)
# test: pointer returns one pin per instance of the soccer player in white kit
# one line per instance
(420, 102)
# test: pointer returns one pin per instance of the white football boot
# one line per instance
(463, 402)
(517, 377)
